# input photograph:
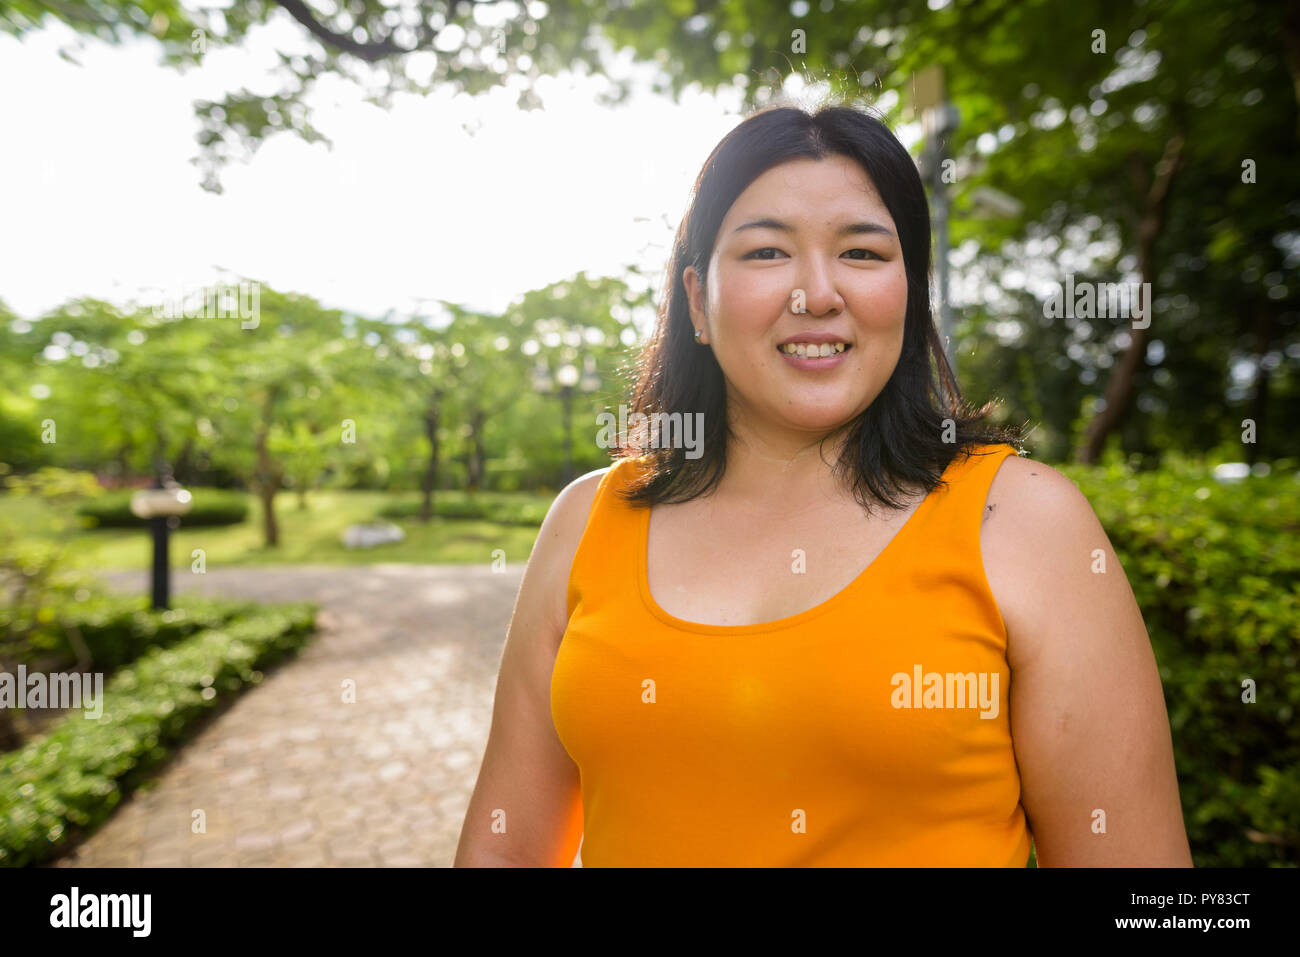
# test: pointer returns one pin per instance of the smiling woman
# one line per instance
(798, 648)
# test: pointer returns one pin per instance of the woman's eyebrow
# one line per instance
(848, 229)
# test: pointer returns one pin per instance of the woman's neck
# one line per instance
(781, 468)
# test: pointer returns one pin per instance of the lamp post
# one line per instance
(162, 505)
(939, 118)
(568, 378)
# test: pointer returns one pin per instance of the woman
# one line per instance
(859, 629)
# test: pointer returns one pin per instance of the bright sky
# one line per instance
(466, 199)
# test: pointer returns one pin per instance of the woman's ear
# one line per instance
(694, 296)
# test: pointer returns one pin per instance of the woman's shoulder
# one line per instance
(968, 461)
(1022, 477)
(575, 500)
(1032, 491)
(572, 507)
(978, 450)
(1036, 519)
(557, 542)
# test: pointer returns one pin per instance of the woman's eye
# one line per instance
(758, 253)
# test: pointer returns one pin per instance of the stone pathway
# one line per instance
(291, 775)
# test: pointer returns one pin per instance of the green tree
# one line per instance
(1124, 130)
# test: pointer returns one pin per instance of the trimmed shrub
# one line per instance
(113, 629)
(210, 506)
(505, 509)
(69, 781)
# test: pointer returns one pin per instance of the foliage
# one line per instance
(69, 781)
(1215, 569)
(34, 574)
(339, 400)
(384, 47)
(52, 484)
(110, 630)
(1081, 131)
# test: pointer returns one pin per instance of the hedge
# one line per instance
(115, 629)
(209, 506)
(68, 781)
(507, 509)
(1215, 569)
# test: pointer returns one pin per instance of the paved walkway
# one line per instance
(291, 775)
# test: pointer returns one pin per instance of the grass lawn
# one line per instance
(307, 536)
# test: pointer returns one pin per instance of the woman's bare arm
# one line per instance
(526, 809)
(1088, 716)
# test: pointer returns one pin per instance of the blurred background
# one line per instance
(348, 284)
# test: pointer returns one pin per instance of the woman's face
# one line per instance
(816, 234)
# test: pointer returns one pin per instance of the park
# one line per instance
(270, 482)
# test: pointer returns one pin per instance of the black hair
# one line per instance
(918, 423)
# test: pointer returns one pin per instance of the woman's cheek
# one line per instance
(886, 306)
(747, 313)
(899, 298)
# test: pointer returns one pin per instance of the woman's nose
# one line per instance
(817, 295)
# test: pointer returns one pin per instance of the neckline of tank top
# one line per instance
(960, 462)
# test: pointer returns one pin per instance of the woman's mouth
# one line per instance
(812, 355)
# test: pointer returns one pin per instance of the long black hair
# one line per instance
(918, 423)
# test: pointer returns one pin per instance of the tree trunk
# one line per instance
(123, 460)
(308, 481)
(477, 465)
(270, 530)
(431, 417)
(183, 471)
(1122, 385)
(268, 474)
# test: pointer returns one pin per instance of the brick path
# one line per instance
(290, 775)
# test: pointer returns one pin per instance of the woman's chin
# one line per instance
(816, 418)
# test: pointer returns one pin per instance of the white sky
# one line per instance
(100, 197)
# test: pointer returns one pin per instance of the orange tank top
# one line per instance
(869, 730)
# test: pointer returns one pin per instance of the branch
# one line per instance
(370, 52)
(1152, 220)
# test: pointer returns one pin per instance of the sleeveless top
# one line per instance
(869, 730)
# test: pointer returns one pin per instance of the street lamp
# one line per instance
(162, 505)
(939, 118)
(568, 378)
(990, 203)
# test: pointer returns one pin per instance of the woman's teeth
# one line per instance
(808, 350)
